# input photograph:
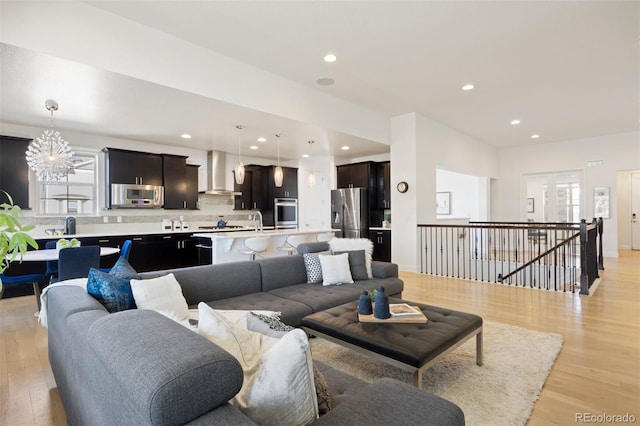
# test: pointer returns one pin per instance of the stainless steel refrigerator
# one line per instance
(350, 212)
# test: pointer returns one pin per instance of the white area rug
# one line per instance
(503, 391)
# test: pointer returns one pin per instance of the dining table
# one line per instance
(52, 254)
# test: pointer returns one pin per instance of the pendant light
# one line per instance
(49, 156)
(239, 170)
(278, 174)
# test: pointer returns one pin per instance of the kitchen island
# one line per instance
(229, 246)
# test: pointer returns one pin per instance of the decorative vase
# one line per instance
(364, 304)
(381, 309)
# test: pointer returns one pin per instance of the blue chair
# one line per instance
(126, 249)
(14, 280)
(51, 272)
(75, 262)
(124, 252)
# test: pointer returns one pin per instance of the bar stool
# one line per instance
(255, 245)
(291, 243)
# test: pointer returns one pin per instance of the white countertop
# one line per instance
(266, 233)
(379, 228)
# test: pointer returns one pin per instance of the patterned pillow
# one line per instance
(114, 293)
(123, 271)
(314, 269)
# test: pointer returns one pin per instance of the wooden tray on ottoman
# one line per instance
(412, 319)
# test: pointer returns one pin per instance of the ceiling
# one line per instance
(567, 70)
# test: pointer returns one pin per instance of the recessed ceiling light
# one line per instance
(305, 155)
(325, 81)
(345, 148)
(468, 87)
(185, 136)
(253, 147)
(261, 139)
(535, 136)
(515, 122)
(330, 57)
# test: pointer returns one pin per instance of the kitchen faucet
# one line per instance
(257, 221)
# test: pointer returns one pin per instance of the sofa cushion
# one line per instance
(162, 294)
(278, 377)
(291, 311)
(282, 271)
(113, 292)
(215, 282)
(318, 297)
(357, 264)
(161, 373)
(335, 269)
(313, 247)
(346, 244)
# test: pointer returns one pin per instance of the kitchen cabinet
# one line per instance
(133, 167)
(383, 185)
(14, 171)
(357, 175)
(242, 201)
(289, 188)
(180, 192)
(259, 188)
(381, 245)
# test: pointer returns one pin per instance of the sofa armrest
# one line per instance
(384, 269)
(158, 368)
(391, 402)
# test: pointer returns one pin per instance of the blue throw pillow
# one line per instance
(114, 293)
(122, 270)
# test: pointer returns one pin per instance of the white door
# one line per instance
(316, 204)
(635, 211)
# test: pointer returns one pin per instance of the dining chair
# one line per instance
(75, 262)
(124, 252)
(51, 271)
(15, 280)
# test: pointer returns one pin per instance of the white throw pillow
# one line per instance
(278, 386)
(348, 244)
(162, 294)
(335, 269)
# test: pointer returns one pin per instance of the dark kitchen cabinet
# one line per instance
(142, 168)
(242, 201)
(381, 245)
(289, 188)
(163, 251)
(14, 172)
(356, 175)
(259, 188)
(383, 185)
(180, 192)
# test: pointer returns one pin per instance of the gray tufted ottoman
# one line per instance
(413, 347)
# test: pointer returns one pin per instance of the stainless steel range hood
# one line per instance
(216, 179)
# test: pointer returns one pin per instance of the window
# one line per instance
(76, 195)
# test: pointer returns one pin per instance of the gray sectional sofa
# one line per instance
(138, 367)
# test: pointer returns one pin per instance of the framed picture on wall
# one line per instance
(601, 202)
(443, 203)
(531, 205)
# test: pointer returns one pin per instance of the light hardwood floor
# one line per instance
(597, 371)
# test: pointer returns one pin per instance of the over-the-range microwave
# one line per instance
(136, 196)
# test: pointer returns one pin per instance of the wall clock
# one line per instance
(403, 187)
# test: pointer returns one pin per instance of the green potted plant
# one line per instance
(14, 239)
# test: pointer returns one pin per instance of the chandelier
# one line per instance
(311, 177)
(239, 170)
(49, 156)
(278, 174)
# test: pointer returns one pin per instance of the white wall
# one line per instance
(617, 152)
(464, 194)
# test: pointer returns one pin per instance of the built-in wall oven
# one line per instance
(285, 213)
